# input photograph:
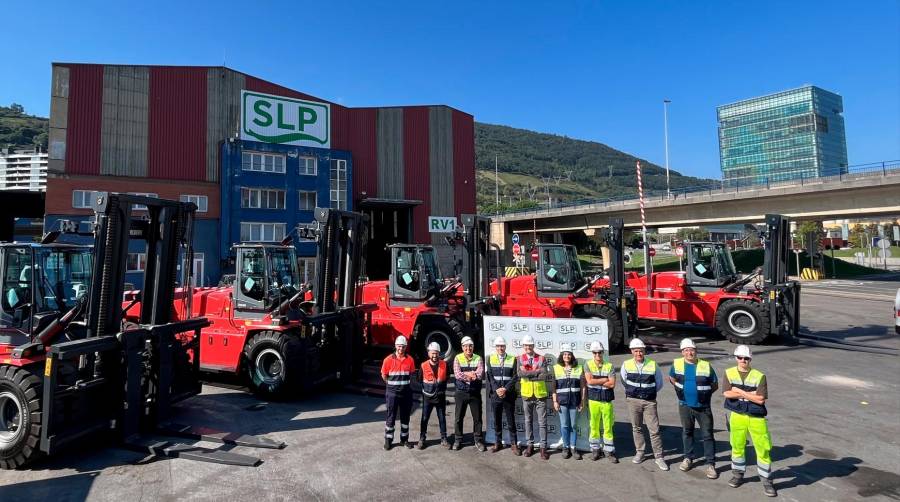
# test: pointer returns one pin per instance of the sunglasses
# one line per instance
(598, 352)
(739, 358)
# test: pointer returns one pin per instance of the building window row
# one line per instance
(201, 201)
(307, 200)
(262, 232)
(308, 166)
(262, 198)
(262, 162)
(81, 199)
(137, 262)
(338, 184)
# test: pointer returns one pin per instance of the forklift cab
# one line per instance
(558, 269)
(709, 264)
(414, 272)
(38, 282)
(265, 276)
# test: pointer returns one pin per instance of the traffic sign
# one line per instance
(517, 249)
(883, 243)
(515, 238)
(679, 251)
(652, 252)
(534, 256)
(884, 253)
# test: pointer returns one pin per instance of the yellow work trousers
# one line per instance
(758, 428)
(602, 414)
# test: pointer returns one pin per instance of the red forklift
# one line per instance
(711, 293)
(72, 368)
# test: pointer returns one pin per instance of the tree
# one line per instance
(17, 109)
(807, 227)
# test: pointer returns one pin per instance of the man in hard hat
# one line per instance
(695, 381)
(532, 373)
(397, 372)
(746, 391)
(433, 373)
(468, 368)
(601, 380)
(642, 380)
(501, 380)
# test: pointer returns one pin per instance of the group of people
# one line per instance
(578, 386)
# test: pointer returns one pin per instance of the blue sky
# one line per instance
(594, 70)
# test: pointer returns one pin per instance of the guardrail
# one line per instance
(730, 185)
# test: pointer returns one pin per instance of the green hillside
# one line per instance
(574, 168)
(18, 130)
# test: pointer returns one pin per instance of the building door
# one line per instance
(199, 275)
(387, 226)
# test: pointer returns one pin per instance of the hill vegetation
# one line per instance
(19, 130)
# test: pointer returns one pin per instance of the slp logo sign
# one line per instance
(441, 224)
(275, 119)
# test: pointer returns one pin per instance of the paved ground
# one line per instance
(833, 417)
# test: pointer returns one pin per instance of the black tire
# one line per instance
(275, 364)
(447, 333)
(20, 416)
(613, 324)
(742, 321)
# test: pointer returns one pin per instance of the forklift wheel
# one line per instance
(447, 334)
(613, 325)
(274, 363)
(741, 321)
(20, 416)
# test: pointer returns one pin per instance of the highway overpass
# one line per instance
(857, 195)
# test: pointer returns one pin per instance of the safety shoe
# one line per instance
(685, 465)
(457, 445)
(613, 459)
(567, 453)
(445, 443)
(387, 445)
(480, 446)
(638, 458)
(663, 466)
(529, 451)
(496, 447)
(544, 453)
(516, 451)
(596, 454)
(769, 487)
(737, 478)
(406, 443)
(421, 444)
(711, 471)
(576, 453)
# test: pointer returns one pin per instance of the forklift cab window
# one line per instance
(702, 261)
(711, 264)
(285, 276)
(16, 297)
(407, 272)
(432, 272)
(253, 273)
(63, 275)
(556, 265)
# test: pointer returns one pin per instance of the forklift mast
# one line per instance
(619, 295)
(340, 260)
(777, 249)
(477, 263)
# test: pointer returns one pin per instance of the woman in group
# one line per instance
(568, 398)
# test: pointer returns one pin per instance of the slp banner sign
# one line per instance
(551, 336)
(287, 121)
(441, 224)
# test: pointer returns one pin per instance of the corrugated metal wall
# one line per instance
(440, 155)
(463, 162)
(126, 91)
(390, 153)
(416, 171)
(223, 113)
(177, 123)
(361, 141)
(83, 122)
(260, 85)
(59, 117)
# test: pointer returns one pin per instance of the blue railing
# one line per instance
(726, 185)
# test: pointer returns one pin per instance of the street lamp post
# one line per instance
(666, 138)
(496, 182)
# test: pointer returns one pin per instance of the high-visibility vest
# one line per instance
(529, 387)
(749, 384)
(599, 392)
(434, 384)
(640, 384)
(703, 380)
(398, 372)
(470, 365)
(501, 371)
(568, 387)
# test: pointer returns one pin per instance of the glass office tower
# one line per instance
(787, 135)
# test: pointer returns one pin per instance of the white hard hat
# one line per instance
(499, 341)
(687, 343)
(637, 344)
(467, 341)
(527, 340)
(742, 351)
(596, 347)
(401, 340)
(434, 346)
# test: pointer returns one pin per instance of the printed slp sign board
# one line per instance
(551, 336)
(286, 121)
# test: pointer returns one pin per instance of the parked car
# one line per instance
(897, 312)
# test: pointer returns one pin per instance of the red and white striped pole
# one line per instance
(648, 268)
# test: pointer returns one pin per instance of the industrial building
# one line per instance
(23, 170)
(256, 157)
(792, 134)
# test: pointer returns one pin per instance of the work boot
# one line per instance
(638, 458)
(613, 459)
(529, 451)
(387, 444)
(421, 444)
(567, 453)
(406, 443)
(596, 454)
(769, 487)
(711, 471)
(516, 451)
(737, 478)
(445, 443)
(496, 447)
(480, 446)
(457, 444)
(663, 466)
(685, 465)
(576, 453)
(544, 453)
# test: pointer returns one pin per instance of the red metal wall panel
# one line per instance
(85, 115)
(340, 131)
(463, 162)
(362, 143)
(259, 85)
(176, 147)
(416, 175)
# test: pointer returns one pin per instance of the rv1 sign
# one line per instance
(276, 119)
(441, 224)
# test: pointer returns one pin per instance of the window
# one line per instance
(136, 262)
(262, 162)
(308, 165)
(338, 184)
(201, 201)
(307, 200)
(262, 232)
(81, 199)
(141, 207)
(261, 198)
(307, 269)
